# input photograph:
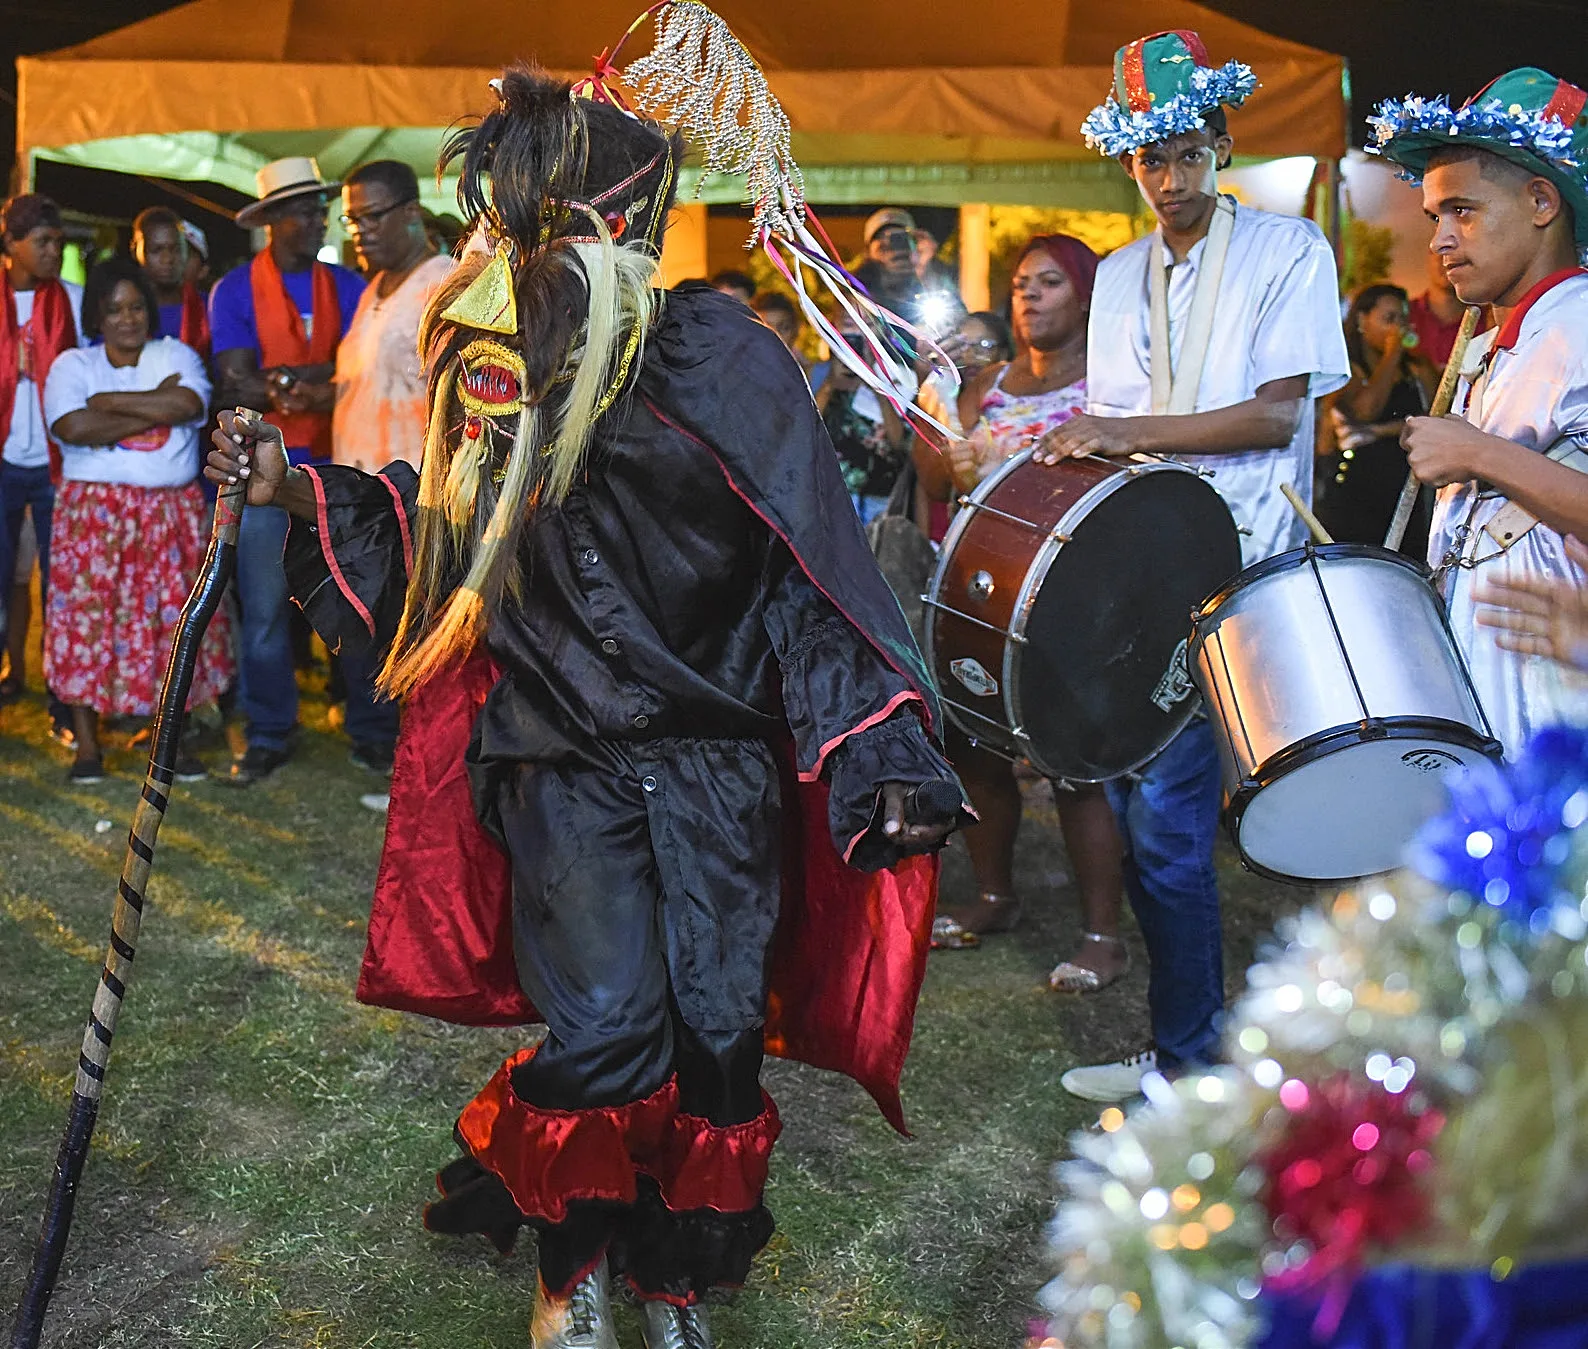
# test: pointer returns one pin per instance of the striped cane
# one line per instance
(219, 564)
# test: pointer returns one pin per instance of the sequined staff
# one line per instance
(219, 564)
(1444, 400)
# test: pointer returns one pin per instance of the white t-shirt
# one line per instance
(26, 445)
(1277, 316)
(163, 456)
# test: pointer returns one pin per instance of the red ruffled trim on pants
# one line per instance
(547, 1158)
(699, 1165)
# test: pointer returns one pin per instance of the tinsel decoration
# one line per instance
(1507, 837)
(1368, 982)
(1546, 137)
(1113, 130)
(700, 78)
(1410, 1086)
(1516, 1153)
(1157, 1240)
(1346, 1173)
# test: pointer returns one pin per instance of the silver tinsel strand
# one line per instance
(699, 78)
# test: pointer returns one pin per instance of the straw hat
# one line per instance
(281, 180)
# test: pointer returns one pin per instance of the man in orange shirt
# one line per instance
(376, 396)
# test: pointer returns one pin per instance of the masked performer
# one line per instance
(1505, 179)
(629, 591)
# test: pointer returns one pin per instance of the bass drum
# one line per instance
(1057, 619)
(1339, 701)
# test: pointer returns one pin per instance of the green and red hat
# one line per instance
(1164, 85)
(1527, 116)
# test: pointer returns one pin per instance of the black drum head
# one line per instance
(1103, 679)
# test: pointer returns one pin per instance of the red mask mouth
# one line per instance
(491, 381)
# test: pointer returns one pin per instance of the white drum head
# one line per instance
(1349, 813)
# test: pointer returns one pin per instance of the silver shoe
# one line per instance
(582, 1320)
(670, 1327)
(1069, 977)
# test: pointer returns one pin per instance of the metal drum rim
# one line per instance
(945, 554)
(1320, 745)
(1248, 576)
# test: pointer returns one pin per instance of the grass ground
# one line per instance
(266, 1143)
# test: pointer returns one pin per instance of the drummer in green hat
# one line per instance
(1505, 181)
(1209, 340)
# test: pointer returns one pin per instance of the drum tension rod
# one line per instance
(968, 504)
(1016, 637)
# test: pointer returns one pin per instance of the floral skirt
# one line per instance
(122, 560)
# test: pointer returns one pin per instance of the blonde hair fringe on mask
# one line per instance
(466, 523)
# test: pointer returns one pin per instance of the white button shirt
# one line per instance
(1278, 315)
(1536, 395)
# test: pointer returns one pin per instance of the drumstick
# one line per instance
(1313, 524)
(1444, 400)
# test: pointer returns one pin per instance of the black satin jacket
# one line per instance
(688, 588)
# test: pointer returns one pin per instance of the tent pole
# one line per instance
(975, 255)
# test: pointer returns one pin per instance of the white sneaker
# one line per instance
(582, 1320)
(1111, 1082)
(379, 802)
(670, 1327)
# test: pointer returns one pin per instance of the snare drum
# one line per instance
(1339, 701)
(1057, 619)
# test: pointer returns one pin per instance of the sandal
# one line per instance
(1068, 977)
(949, 935)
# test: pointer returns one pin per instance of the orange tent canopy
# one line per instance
(997, 100)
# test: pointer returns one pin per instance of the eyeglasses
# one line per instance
(369, 219)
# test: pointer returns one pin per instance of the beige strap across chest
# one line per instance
(1513, 522)
(1174, 388)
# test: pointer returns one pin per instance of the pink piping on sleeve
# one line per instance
(855, 843)
(402, 523)
(893, 705)
(330, 557)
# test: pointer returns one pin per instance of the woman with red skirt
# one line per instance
(129, 535)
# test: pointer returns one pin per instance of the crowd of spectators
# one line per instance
(105, 391)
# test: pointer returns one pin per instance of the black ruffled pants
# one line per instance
(644, 903)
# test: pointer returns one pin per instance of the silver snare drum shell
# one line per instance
(1338, 701)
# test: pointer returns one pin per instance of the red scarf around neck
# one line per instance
(48, 333)
(282, 341)
(195, 320)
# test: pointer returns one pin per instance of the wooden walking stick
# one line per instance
(219, 564)
(1444, 400)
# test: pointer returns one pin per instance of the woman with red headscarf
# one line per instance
(1006, 409)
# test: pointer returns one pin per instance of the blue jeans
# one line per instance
(267, 680)
(21, 490)
(371, 718)
(1168, 817)
(868, 508)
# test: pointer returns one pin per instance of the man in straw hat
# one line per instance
(275, 324)
(666, 769)
(1505, 180)
(1209, 340)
